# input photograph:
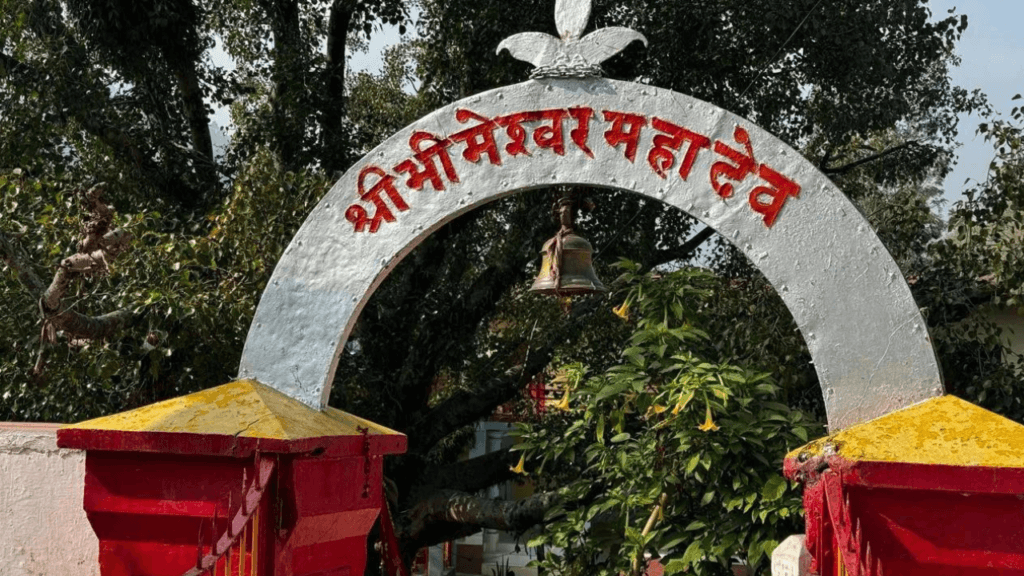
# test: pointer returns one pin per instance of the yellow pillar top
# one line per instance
(940, 431)
(242, 409)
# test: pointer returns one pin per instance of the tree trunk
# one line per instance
(195, 112)
(449, 514)
(332, 136)
(287, 72)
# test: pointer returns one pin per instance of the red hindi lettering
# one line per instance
(479, 139)
(661, 157)
(768, 200)
(357, 215)
(619, 133)
(513, 124)
(551, 137)
(581, 132)
(436, 148)
(743, 163)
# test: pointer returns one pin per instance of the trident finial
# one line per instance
(569, 56)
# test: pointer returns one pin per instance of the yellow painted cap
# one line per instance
(244, 413)
(940, 431)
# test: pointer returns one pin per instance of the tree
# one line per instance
(120, 91)
(861, 88)
(666, 452)
(975, 269)
(90, 93)
(182, 293)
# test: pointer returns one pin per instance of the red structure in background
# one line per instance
(538, 394)
(932, 490)
(236, 480)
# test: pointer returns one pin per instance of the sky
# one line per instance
(992, 52)
(991, 49)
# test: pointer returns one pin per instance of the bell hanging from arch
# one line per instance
(567, 267)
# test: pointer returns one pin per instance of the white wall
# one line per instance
(43, 528)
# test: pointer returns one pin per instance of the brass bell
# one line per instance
(566, 267)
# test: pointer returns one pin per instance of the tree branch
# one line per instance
(98, 247)
(101, 327)
(448, 514)
(286, 74)
(332, 135)
(466, 407)
(651, 520)
(190, 88)
(467, 310)
(847, 167)
(470, 475)
(686, 250)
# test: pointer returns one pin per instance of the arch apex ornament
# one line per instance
(570, 56)
(867, 339)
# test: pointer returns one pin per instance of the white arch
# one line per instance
(867, 339)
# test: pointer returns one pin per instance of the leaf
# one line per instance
(675, 566)
(693, 553)
(782, 408)
(670, 544)
(774, 488)
(691, 465)
(765, 547)
(611, 390)
(695, 525)
(754, 552)
(684, 401)
(620, 438)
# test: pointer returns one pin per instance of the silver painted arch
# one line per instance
(866, 336)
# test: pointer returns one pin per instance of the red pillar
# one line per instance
(936, 489)
(239, 475)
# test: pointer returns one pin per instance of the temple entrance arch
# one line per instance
(866, 336)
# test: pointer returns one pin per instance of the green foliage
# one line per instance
(192, 283)
(977, 274)
(831, 83)
(111, 91)
(987, 230)
(381, 104)
(669, 419)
